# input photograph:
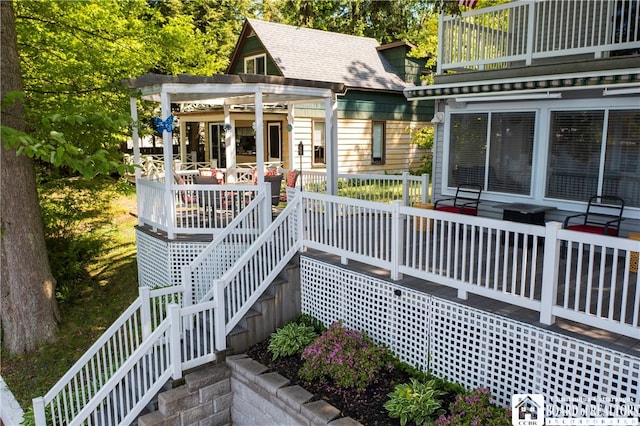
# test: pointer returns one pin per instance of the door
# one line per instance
(217, 149)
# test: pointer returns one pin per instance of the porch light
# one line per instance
(438, 118)
(227, 127)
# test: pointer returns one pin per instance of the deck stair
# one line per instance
(164, 332)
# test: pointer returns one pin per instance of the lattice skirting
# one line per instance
(467, 345)
(160, 262)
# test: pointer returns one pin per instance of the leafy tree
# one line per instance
(72, 115)
(28, 310)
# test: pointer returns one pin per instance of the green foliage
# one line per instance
(424, 138)
(347, 357)
(415, 402)
(475, 408)
(311, 321)
(70, 210)
(291, 339)
(74, 56)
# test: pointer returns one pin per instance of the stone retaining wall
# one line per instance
(241, 392)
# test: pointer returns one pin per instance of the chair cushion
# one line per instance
(592, 229)
(292, 177)
(454, 209)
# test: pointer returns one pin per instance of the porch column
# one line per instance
(229, 139)
(291, 137)
(135, 136)
(331, 143)
(167, 151)
(259, 139)
(183, 146)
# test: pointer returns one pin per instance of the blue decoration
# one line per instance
(164, 126)
(227, 127)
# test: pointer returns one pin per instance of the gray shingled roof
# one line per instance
(310, 54)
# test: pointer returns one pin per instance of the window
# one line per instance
(377, 142)
(594, 152)
(319, 143)
(256, 64)
(493, 150)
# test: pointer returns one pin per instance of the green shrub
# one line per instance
(311, 321)
(347, 357)
(475, 408)
(415, 402)
(291, 339)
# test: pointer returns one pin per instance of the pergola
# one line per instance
(249, 90)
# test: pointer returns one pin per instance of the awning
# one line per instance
(625, 81)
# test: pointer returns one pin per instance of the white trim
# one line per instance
(253, 58)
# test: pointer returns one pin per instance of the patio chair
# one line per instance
(290, 184)
(603, 216)
(465, 202)
(276, 185)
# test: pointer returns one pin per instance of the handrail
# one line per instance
(224, 250)
(496, 37)
(373, 187)
(241, 286)
(89, 374)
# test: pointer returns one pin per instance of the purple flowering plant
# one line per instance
(475, 408)
(347, 357)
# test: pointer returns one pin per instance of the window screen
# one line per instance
(575, 146)
(622, 158)
(511, 152)
(468, 149)
(493, 150)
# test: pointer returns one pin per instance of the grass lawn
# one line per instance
(96, 252)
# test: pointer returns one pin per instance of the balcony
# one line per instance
(524, 33)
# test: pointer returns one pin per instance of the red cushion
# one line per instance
(291, 179)
(592, 229)
(454, 209)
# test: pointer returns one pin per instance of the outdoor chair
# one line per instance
(290, 184)
(603, 216)
(465, 202)
(276, 185)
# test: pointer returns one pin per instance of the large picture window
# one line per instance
(594, 152)
(493, 150)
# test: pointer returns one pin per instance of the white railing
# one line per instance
(225, 249)
(523, 31)
(555, 272)
(88, 376)
(188, 208)
(241, 286)
(515, 263)
(373, 187)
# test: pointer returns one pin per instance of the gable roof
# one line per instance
(309, 54)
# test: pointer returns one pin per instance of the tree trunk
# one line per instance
(28, 308)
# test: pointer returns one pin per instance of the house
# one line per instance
(519, 308)
(374, 119)
(538, 103)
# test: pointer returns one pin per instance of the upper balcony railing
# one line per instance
(529, 31)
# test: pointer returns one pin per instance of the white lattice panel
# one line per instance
(153, 260)
(370, 305)
(464, 344)
(182, 254)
